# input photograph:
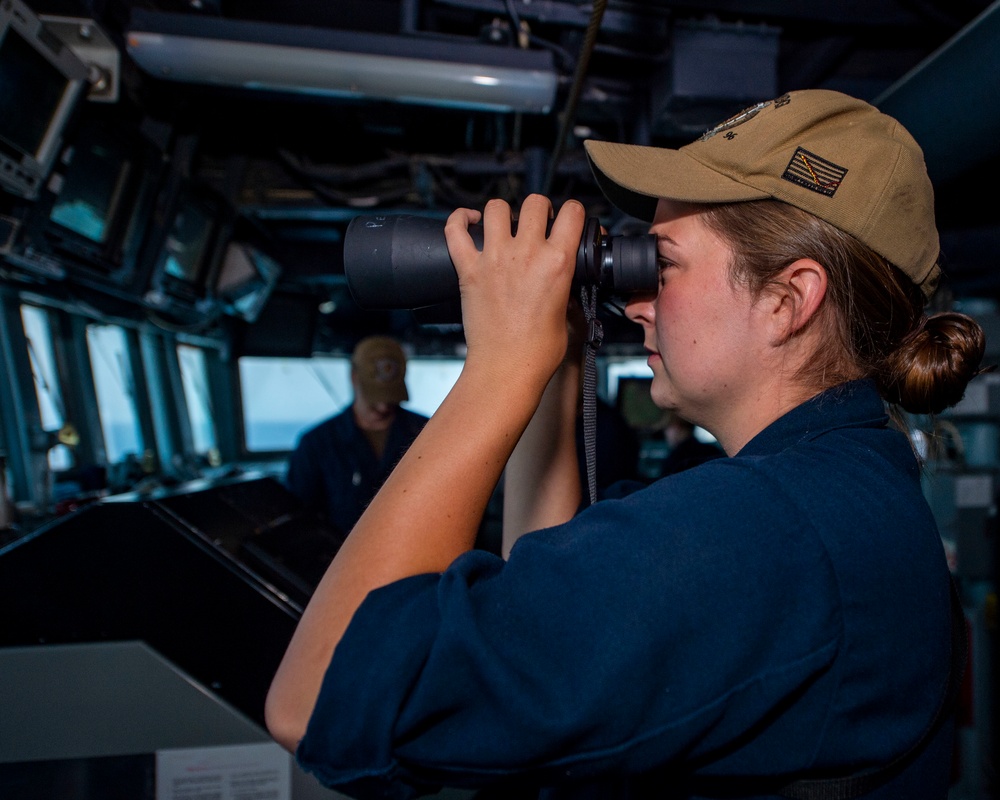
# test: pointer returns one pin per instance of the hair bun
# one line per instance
(933, 365)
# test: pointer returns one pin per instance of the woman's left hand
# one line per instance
(514, 292)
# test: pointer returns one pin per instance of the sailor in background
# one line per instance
(339, 465)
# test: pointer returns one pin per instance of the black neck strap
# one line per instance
(595, 337)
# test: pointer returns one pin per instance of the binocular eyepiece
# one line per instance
(402, 261)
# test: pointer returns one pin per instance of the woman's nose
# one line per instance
(639, 308)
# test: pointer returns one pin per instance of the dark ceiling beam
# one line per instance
(621, 17)
(639, 19)
(840, 13)
(951, 101)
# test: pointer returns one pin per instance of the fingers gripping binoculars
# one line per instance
(402, 261)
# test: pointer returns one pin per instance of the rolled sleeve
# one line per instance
(364, 690)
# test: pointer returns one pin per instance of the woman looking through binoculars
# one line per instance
(778, 615)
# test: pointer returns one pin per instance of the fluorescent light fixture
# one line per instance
(293, 59)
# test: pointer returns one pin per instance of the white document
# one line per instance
(233, 772)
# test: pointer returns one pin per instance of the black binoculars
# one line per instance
(402, 261)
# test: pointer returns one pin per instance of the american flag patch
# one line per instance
(815, 173)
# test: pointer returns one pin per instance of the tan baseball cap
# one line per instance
(380, 366)
(822, 151)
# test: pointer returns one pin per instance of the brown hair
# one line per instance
(874, 312)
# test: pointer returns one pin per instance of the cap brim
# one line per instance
(635, 177)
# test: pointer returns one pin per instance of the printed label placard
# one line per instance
(232, 772)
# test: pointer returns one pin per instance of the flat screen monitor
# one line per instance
(245, 281)
(108, 173)
(187, 244)
(93, 217)
(188, 253)
(92, 190)
(41, 80)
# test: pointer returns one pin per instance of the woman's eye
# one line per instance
(662, 265)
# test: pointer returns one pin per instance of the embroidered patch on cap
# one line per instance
(738, 119)
(386, 370)
(815, 173)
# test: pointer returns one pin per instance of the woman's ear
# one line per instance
(798, 290)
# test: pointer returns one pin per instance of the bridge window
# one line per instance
(283, 397)
(194, 376)
(115, 389)
(47, 386)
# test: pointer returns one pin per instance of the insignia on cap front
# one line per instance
(386, 370)
(745, 115)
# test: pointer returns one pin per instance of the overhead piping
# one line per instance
(568, 116)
